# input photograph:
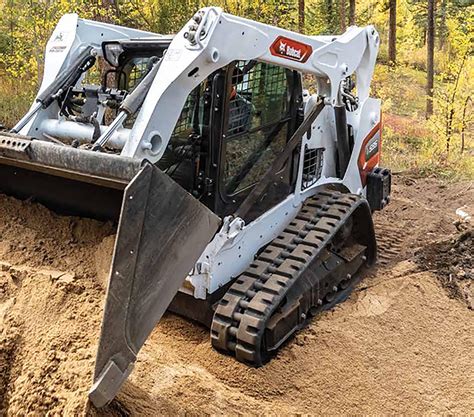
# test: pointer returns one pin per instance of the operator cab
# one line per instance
(103, 88)
(129, 59)
(230, 130)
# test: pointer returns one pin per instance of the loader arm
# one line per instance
(70, 38)
(226, 38)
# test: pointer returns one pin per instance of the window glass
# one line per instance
(133, 72)
(189, 123)
(257, 125)
(250, 156)
(258, 96)
(129, 77)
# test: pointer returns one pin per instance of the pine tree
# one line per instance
(352, 12)
(342, 21)
(392, 32)
(301, 15)
(430, 38)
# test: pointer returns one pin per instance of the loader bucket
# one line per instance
(162, 231)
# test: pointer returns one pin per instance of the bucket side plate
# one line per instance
(162, 232)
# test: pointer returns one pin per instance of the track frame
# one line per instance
(313, 264)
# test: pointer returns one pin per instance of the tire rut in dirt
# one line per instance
(390, 240)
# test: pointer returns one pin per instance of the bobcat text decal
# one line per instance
(291, 49)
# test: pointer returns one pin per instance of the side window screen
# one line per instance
(132, 73)
(189, 124)
(188, 121)
(258, 96)
(257, 126)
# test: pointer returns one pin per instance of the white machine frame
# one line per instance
(211, 40)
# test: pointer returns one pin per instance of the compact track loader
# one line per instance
(243, 201)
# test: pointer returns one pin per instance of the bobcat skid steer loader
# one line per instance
(242, 201)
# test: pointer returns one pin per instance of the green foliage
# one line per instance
(412, 143)
(440, 145)
(168, 16)
(323, 15)
(452, 97)
(401, 90)
(14, 101)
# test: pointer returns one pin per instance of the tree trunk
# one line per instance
(449, 128)
(450, 116)
(430, 37)
(392, 32)
(301, 16)
(442, 29)
(329, 16)
(352, 12)
(464, 124)
(342, 22)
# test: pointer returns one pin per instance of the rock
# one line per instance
(19, 272)
(66, 278)
(52, 274)
(5, 266)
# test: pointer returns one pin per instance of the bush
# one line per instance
(15, 100)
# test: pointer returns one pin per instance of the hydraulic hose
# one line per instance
(67, 78)
(342, 134)
(82, 63)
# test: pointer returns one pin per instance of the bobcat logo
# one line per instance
(282, 48)
(59, 37)
(291, 49)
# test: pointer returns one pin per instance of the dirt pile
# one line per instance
(50, 308)
(453, 260)
(398, 345)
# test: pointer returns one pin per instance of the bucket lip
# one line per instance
(106, 169)
(14, 135)
(116, 183)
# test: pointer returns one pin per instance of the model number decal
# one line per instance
(291, 49)
(372, 147)
(57, 48)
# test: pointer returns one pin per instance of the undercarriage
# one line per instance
(308, 268)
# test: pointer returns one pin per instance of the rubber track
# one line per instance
(243, 313)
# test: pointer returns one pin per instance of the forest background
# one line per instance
(425, 71)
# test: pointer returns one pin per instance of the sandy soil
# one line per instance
(403, 343)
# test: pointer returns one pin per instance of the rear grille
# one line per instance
(312, 166)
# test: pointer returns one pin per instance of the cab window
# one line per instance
(258, 122)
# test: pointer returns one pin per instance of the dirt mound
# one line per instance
(387, 350)
(50, 308)
(453, 260)
(32, 235)
(398, 345)
(48, 333)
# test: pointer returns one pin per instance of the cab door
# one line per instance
(260, 113)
